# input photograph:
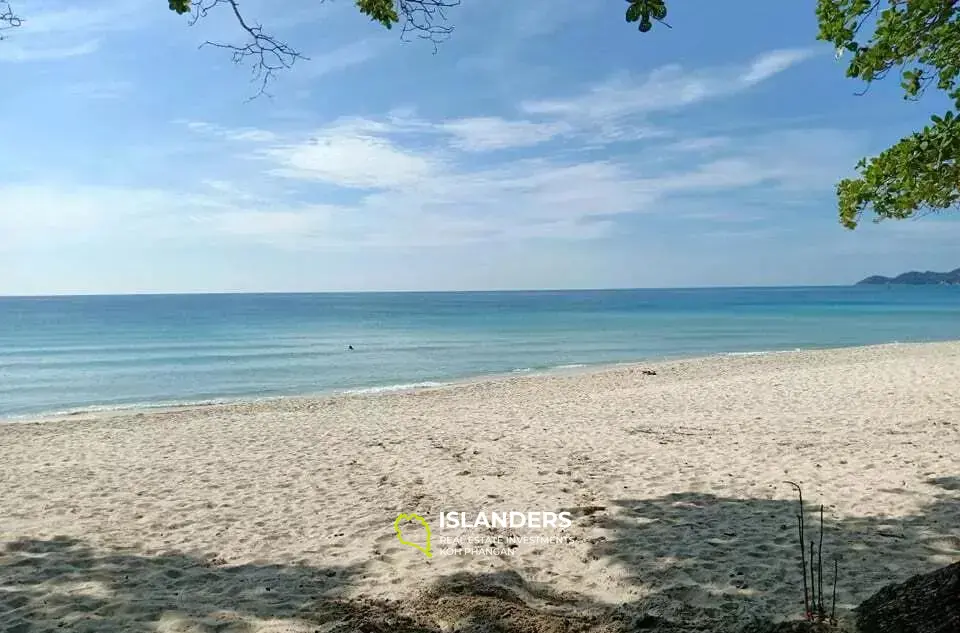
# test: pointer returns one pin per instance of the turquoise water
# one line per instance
(61, 354)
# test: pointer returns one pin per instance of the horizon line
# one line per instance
(67, 295)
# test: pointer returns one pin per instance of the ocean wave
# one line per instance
(119, 408)
(765, 352)
(397, 387)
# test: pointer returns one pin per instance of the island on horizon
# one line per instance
(915, 278)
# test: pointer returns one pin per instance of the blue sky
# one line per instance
(547, 144)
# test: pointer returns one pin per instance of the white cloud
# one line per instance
(11, 52)
(253, 135)
(532, 191)
(96, 16)
(59, 31)
(613, 111)
(35, 215)
(482, 134)
(664, 89)
(417, 198)
(285, 227)
(410, 197)
(542, 17)
(723, 173)
(698, 144)
(339, 59)
(418, 182)
(48, 213)
(774, 62)
(356, 160)
(513, 26)
(100, 90)
(410, 181)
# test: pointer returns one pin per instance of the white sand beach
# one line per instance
(262, 517)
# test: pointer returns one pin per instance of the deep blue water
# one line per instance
(67, 353)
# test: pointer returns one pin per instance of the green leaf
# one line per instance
(633, 12)
(180, 6)
(382, 11)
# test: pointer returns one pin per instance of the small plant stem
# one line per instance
(821, 611)
(833, 609)
(813, 580)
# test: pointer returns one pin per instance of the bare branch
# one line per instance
(268, 54)
(427, 18)
(8, 19)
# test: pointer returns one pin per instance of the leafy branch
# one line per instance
(646, 12)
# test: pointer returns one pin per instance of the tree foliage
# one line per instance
(646, 12)
(919, 38)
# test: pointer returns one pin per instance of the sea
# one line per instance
(62, 355)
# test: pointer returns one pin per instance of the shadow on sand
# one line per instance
(730, 560)
(701, 560)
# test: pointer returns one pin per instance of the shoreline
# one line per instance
(576, 369)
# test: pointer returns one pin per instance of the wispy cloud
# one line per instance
(406, 180)
(100, 90)
(402, 180)
(352, 160)
(481, 134)
(96, 16)
(254, 135)
(58, 31)
(415, 195)
(11, 52)
(774, 62)
(664, 89)
(514, 26)
(409, 195)
(698, 144)
(46, 212)
(339, 59)
(618, 109)
(542, 17)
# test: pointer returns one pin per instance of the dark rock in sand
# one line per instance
(926, 603)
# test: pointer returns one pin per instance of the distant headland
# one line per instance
(915, 278)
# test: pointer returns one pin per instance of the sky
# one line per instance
(545, 144)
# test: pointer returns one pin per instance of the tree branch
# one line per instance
(426, 18)
(8, 19)
(268, 54)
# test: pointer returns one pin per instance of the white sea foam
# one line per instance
(765, 352)
(398, 387)
(121, 408)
